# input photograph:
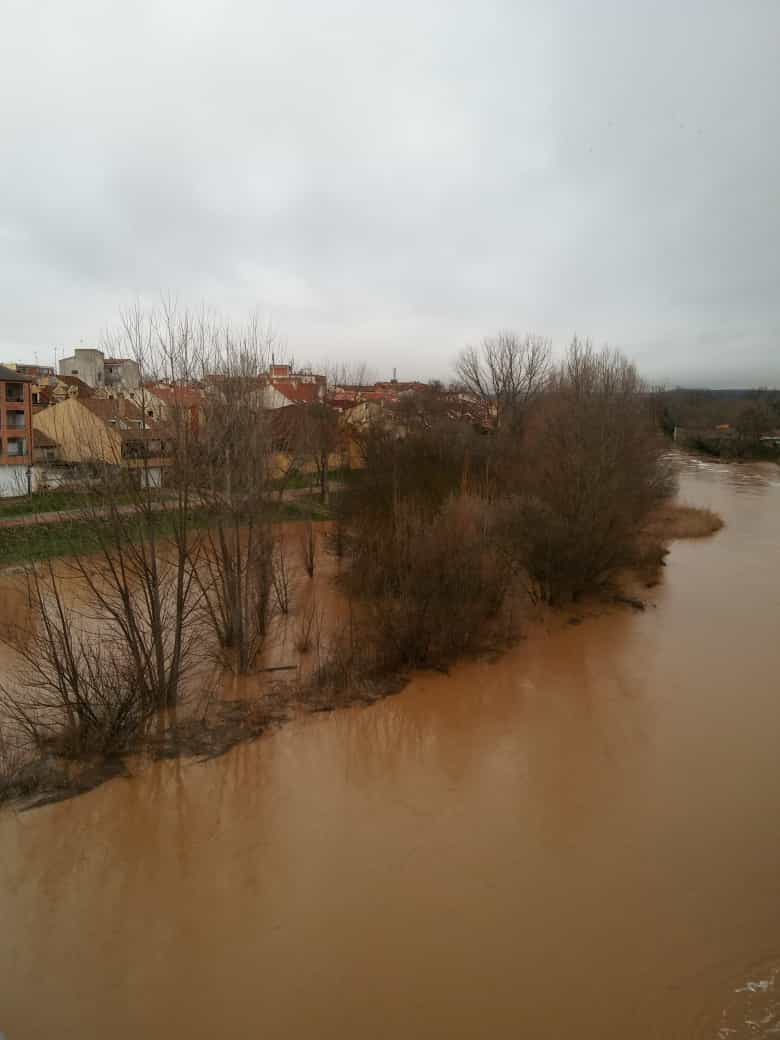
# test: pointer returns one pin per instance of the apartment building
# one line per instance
(15, 432)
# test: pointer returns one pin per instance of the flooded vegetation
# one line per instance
(529, 838)
(678, 520)
(574, 838)
(532, 482)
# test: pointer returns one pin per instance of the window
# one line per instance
(74, 371)
(134, 450)
(17, 446)
(14, 392)
(15, 420)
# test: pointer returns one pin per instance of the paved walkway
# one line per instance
(30, 519)
(62, 516)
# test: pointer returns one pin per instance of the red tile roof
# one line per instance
(178, 396)
(83, 388)
(298, 393)
(112, 408)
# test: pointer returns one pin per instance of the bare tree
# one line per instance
(310, 622)
(236, 565)
(308, 545)
(281, 578)
(322, 438)
(75, 688)
(141, 580)
(347, 375)
(507, 373)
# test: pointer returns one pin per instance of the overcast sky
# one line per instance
(390, 181)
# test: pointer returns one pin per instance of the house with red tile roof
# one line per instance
(162, 401)
(294, 387)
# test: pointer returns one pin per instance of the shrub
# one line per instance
(682, 521)
(426, 597)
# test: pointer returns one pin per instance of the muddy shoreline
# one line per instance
(209, 729)
(225, 723)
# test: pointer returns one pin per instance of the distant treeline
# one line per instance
(729, 423)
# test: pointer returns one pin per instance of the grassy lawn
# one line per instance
(70, 537)
(42, 541)
(53, 502)
(298, 480)
(43, 502)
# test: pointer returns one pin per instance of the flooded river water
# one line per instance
(580, 839)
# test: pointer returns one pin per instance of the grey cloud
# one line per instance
(391, 182)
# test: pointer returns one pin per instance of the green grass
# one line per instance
(43, 541)
(300, 509)
(71, 537)
(42, 502)
(298, 480)
(54, 502)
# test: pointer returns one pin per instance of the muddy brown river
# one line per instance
(580, 839)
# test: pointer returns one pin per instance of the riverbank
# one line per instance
(43, 537)
(210, 722)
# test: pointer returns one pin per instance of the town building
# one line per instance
(99, 372)
(45, 450)
(112, 431)
(277, 388)
(282, 387)
(165, 402)
(15, 432)
(48, 390)
(33, 371)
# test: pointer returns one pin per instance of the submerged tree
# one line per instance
(233, 460)
(75, 688)
(589, 472)
(139, 504)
